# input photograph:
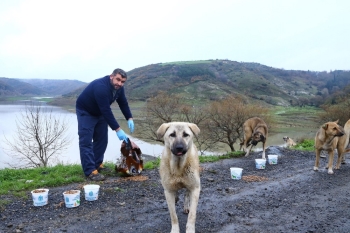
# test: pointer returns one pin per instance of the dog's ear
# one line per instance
(325, 126)
(194, 128)
(336, 121)
(162, 129)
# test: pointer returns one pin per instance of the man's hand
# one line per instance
(131, 125)
(121, 135)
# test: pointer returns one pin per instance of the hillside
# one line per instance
(13, 87)
(215, 79)
(55, 86)
(208, 80)
(37, 87)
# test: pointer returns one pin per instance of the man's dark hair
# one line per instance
(119, 71)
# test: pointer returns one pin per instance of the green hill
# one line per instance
(215, 79)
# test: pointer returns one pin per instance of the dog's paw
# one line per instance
(315, 168)
(186, 210)
(330, 172)
(175, 229)
(190, 228)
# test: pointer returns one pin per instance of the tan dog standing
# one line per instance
(329, 137)
(179, 168)
(255, 130)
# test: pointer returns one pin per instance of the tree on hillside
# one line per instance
(227, 117)
(40, 137)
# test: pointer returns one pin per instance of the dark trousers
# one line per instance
(93, 140)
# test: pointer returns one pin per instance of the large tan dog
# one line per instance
(329, 137)
(255, 130)
(179, 168)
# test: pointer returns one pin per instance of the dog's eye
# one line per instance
(185, 134)
(172, 135)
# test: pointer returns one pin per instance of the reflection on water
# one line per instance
(10, 113)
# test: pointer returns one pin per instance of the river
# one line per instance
(10, 113)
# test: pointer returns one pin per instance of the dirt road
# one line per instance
(290, 197)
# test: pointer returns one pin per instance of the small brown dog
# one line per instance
(289, 142)
(255, 130)
(329, 137)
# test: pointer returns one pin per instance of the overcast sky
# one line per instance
(85, 40)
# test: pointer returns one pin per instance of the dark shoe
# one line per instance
(95, 176)
(104, 169)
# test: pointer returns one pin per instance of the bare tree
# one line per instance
(220, 122)
(167, 107)
(39, 138)
(159, 109)
(227, 117)
(200, 117)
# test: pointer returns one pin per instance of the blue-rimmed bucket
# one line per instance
(72, 198)
(260, 163)
(236, 173)
(40, 197)
(91, 192)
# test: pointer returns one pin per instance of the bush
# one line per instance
(306, 145)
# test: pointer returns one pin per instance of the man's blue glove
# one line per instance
(121, 135)
(131, 125)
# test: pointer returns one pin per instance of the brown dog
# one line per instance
(289, 142)
(255, 130)
(179, 168)
(329, 137)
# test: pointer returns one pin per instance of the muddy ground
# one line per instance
(287, 197)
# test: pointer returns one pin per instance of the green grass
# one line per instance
(305, 145)
(215, 158)
(18, 182)
(152, 164)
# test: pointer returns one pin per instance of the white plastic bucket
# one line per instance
(236, 173)
(260, 163)
(91, 192)
(272, 159)
(40, 197)
(72, 198)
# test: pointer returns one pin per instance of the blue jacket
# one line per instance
(97, 98)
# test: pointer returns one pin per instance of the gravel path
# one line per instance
(287, 197)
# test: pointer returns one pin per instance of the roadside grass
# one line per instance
(305, 145)
(18, 181)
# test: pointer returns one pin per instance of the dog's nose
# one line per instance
(179, 149)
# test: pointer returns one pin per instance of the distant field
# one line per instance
(295, 118)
